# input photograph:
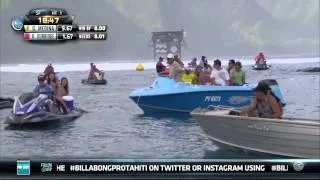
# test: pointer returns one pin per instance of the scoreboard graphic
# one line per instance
(55, 24)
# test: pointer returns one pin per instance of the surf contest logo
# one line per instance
(17, 23)
(166, 42)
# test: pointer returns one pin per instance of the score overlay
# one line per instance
(65, 32)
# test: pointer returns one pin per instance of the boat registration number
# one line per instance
(212, 98)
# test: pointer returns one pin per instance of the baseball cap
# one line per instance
(170, 56)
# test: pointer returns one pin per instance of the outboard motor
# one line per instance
(273, 84)
(27, 103)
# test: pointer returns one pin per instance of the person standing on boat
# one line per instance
(178, 60)
(49, 69)
(203, 61)
(175, 68)
(265, 105)
(237, 76)
(219, 75)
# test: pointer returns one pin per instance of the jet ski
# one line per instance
(98, 81)
(30, 108)
(261, 65)
(6, 102)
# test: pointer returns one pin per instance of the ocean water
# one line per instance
(116, 127)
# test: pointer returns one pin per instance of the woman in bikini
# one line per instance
(63, 90)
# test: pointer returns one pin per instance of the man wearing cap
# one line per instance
(43, 88)
(220, 75)
(175, 68)
(160, 67)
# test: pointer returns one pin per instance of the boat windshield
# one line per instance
(26, 97)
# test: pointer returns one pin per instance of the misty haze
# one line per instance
(214, 28)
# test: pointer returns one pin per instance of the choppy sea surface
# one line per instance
(116, 127)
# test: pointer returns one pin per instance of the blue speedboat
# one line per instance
(166, 95)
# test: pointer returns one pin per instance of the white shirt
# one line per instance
(220, 76)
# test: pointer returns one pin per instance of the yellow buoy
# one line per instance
(139, 67)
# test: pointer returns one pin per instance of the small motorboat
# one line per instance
(100, 80)
(282, 137)
(6, 103)
(311, 69)
(261, 65)
(94, 82)
(29, 108)
(167, 95)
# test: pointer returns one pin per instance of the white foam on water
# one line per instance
(116, 66)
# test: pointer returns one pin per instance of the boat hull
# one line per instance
(40, 118)
(271, 136)
(94, 82)
(188, 101)
(167, 95)
(6, 104)
(259, 67)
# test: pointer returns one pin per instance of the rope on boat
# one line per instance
(212, 107)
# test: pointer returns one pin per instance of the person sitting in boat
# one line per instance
(187, 76)
(49, 69)
(175, 68)
(202, 78)
(260, 58)
(219, 75)
(43, 88)
(203, 61)
(237, 76)
(231, 65)
(62, 90)
(264, 105)
(193, 63)
(93, 71)
(178, 60)
(52, 81)
(196, 79)
(207, 67)
(160, 67)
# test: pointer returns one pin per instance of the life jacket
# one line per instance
(187, 77)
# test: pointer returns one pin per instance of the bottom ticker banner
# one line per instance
(134, 167)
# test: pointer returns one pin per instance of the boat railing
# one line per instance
(223, 107)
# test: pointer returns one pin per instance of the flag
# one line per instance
(27, 28)
(27, 36)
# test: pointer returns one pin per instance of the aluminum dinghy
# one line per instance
(284, 137)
